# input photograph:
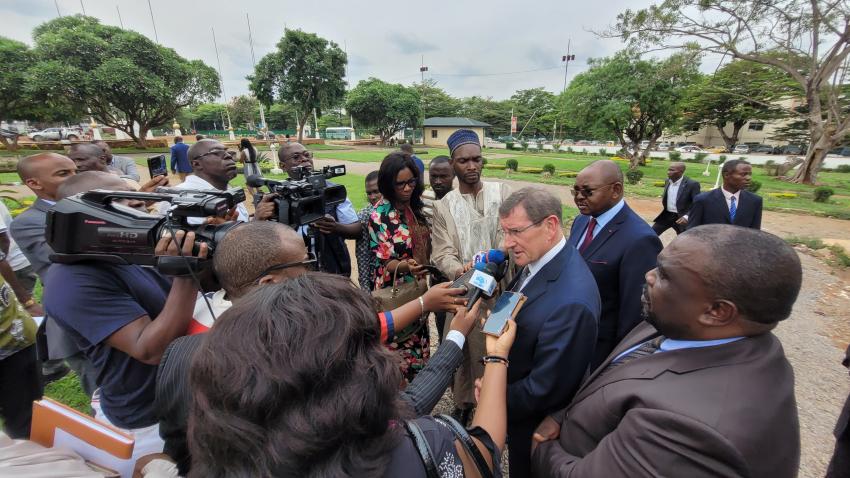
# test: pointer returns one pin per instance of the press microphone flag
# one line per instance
(484, 282)
(493, 255)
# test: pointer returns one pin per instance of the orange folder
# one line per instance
(97, 442)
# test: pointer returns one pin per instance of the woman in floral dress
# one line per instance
(399, 237)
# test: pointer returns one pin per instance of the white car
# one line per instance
(690, 149)
(662, 146)
(54, 134)
(741, 149)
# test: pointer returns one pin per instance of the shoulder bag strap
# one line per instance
(423, 448)
(466, 441)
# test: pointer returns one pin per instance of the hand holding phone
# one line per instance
(506, 308)
(157, 166)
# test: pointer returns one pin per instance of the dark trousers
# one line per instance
(839, 466)
(666, 221)
(440, 319)
(519, 447)
(26, 278)
(20, 381)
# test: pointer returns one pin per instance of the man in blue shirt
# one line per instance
(123, 317)
(408, 148)
(180, 164)
(618, 246)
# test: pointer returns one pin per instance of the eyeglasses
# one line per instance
(301, 155)
(220, 152)
(402, 184)
(587, 192)
(309, 263)
(516, 232)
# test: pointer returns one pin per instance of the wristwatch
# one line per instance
(31, 302)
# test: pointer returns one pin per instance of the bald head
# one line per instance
(44, 172)
(598, 187)
(203, 146)
(675, 171)
(89, 180)
(245, 253)
(89, 157)
(292, 155)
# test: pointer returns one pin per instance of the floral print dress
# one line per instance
(391, 238)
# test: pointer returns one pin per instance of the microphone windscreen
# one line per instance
(255, 181)
(496, 255)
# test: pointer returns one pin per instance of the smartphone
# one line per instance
(463, 282)
(157, 166)
(431, 269)
(507, 307)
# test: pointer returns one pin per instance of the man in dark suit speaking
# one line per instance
(731, 204)
(618, 246)
(703, 388)
(679, 194)
(556, 329)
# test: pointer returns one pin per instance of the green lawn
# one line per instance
(654, 175)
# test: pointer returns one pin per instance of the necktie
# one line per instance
(646, 348)
(588, 238)
(733, 208)
(523, 275)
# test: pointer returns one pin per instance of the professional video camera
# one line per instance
(305, 197)
(96, 225)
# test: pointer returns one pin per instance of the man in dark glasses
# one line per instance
(618, 246)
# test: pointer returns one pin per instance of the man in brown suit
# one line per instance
(703, 388)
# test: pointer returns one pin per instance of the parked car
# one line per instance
(741, 149)
(762, 148)
(55, 134)
(664, 146)
(792, 149)
(840, 151)
(505, 139)
(690, 149)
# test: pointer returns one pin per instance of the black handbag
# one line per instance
(423, 448)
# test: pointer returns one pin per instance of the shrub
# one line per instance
(509, 145)
(524, 145)
(822, 193)
(567, 174)
(783, 195)
(700, 157)
(754, 186)
(674, 156)
(843, 168)
(512, 164)
(569, 149)
(659, 184)
(531, 170)
(484, 161)
(634, 175)
(549, 168)
(603, 152)
(498, 167)
(722, 159)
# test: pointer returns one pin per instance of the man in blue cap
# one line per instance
(465, 222)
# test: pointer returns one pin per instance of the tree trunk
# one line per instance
(10, 145)
(301, 122)
(730, 141)
(808, 171)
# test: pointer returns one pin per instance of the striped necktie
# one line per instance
(523, 275)
(733, 208)
(647, 348)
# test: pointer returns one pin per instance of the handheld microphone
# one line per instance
(493, 255)
(485, 282)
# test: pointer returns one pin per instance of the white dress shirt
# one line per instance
(729, 196)
(672, 194)
(534, 267)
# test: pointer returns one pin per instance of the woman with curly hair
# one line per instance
(400, 240)
(293, 381)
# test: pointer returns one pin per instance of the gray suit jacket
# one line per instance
(125, 167)
(727, 410)
(28, 231)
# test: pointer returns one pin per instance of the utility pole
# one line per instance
(83, 7)
(120, 21)
(422, 70)
(567, 59)
(263, 126)
(55, 2)
(221, 83)
(155, 35)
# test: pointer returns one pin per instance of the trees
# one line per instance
(122, 77)
(807, 40)
(305, 70)
(633, 99)
(739, 92)
(490, 111)
(385, 107)
(15, 58)
(245, 111)
(435, 101)
(535, 110)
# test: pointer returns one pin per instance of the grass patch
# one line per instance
(810, 242)
(68, 390)
(837, 257)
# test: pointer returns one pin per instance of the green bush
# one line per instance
(843, 168)
(603, 152)
(822, 193)
(674, 156)
(634, 176)
(497, 167)
(754, 186)
(549, 168)
(531, 170)
(567, 174)
(722, 159)
(524, 145)
(509, 145)
(484, 161)
(700, 157)
(512, 164)
(659, 184)
(569, 149)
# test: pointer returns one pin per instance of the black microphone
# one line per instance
(485, 282)
(257, 181)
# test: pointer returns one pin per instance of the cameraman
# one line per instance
(340, 222)
(123, 317)
(213, 167)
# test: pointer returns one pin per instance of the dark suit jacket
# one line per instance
(619, 258)
(727, 410)
(710, 208)
(556, 332)
(27, 229)
(688, 190)
(173, 395)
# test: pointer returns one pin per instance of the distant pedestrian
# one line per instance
(408, 148)
(180, 165)
(248, 157)
(730, 204)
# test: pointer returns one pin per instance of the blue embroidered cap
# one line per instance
(460, 138)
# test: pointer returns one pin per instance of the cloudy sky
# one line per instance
(471, 47)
